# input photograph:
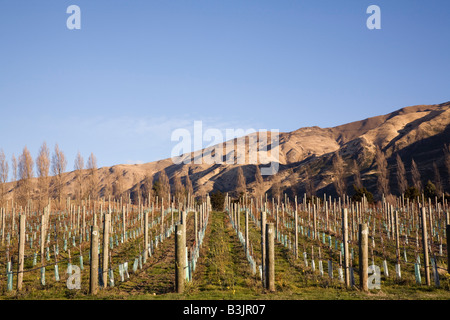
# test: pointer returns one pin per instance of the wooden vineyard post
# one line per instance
(431, 219)
(123, 224)
(106, 224)
(425, 246)
(162, 216)
(315, 223)
(78, 219)
(180, 258)
(363, 256)
(84, 223)
(397, 242)
(246, 231)
(196, 226)
(270, 257)
(233, 213)
(145, 235)
(238, 218)
(184, 221)
(263, 247)
(345, 242)
(296, 230)
(201, 216)
(397, 237)
(93, 281)
(447, 233)
(277, 230)
(3, 213)
(43, 236)
(13, 222)
(172, 213)
(43, 231)
(22, 227)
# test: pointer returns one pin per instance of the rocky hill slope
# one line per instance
(417, 132)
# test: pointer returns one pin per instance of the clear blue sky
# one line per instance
(139, 69)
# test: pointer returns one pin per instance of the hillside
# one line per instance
(417, 132)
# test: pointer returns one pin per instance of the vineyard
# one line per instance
(306, 248)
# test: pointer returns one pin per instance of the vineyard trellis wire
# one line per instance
(311, 232)
(322, 227)
(130, 228)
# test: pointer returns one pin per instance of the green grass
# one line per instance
(224, 273)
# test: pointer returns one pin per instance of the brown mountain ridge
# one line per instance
(416, 132)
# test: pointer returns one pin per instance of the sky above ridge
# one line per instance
(138, 70)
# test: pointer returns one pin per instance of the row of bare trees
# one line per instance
(86, 179)
(44, 178)
(179, 190)
(147, 187)
(49, 176)
(341, 171)
(86, 176)
(383, 174)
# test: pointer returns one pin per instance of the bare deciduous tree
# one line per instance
(437, 179)
(43, 168)
(338, 174)
(164, 186)
(189, 188)
(4, 170)
(416, 178)
(91, 166)
(356, 171)
(383, 172)
(292, 184)
(25, 169)
(310, 186)
(136, 185)
(78, 167)
(276, 186)
(259, 181)
(447, 160)
(201, 190)
(178, 187)
(59, 163)
(401, 175)
(146, 186)
(241, 185)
